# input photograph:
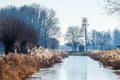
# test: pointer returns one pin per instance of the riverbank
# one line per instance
(19, 66)
(75, 68)
(109, 58)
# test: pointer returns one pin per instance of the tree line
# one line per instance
(22, 28)
(96, 40)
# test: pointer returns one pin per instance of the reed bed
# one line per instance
(109, 58)
(19, 66)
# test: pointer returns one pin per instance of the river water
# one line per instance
(76, 68)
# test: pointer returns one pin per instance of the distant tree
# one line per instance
(73, 46)
(97, 39)
(116, 37)
(101, 40)
(42, 19)
(93, 40)
(112, 6)
(73, 37)
(108, 39)
(13, 31)
(69, 44)
(53, 43)
(48, 26)
(84, 29)
(27, 14)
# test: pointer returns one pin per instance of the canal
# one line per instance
(76, 68)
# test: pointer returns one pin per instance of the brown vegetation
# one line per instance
(109, 58)
(18, 66)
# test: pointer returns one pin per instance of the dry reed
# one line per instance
(109, 58)
(18, 66)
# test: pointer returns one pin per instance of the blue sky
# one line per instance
(70, 13)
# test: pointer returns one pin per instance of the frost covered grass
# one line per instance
(18, 66)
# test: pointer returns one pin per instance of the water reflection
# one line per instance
(76, 68)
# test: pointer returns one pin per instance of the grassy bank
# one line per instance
(77, 53)
(18, 66)
(109, 58)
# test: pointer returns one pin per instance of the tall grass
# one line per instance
(109, 58)
(18, 66)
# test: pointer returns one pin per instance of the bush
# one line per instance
(15, 34)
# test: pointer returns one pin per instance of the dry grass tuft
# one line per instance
(109, 58)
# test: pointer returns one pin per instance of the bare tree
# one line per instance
(14, 31)
(73, 36)
(112, 6)
(44, 20)
(101, 40)
(84, 29)
(53, 43)
(48, 26)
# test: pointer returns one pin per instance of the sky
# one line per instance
(70, 13)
